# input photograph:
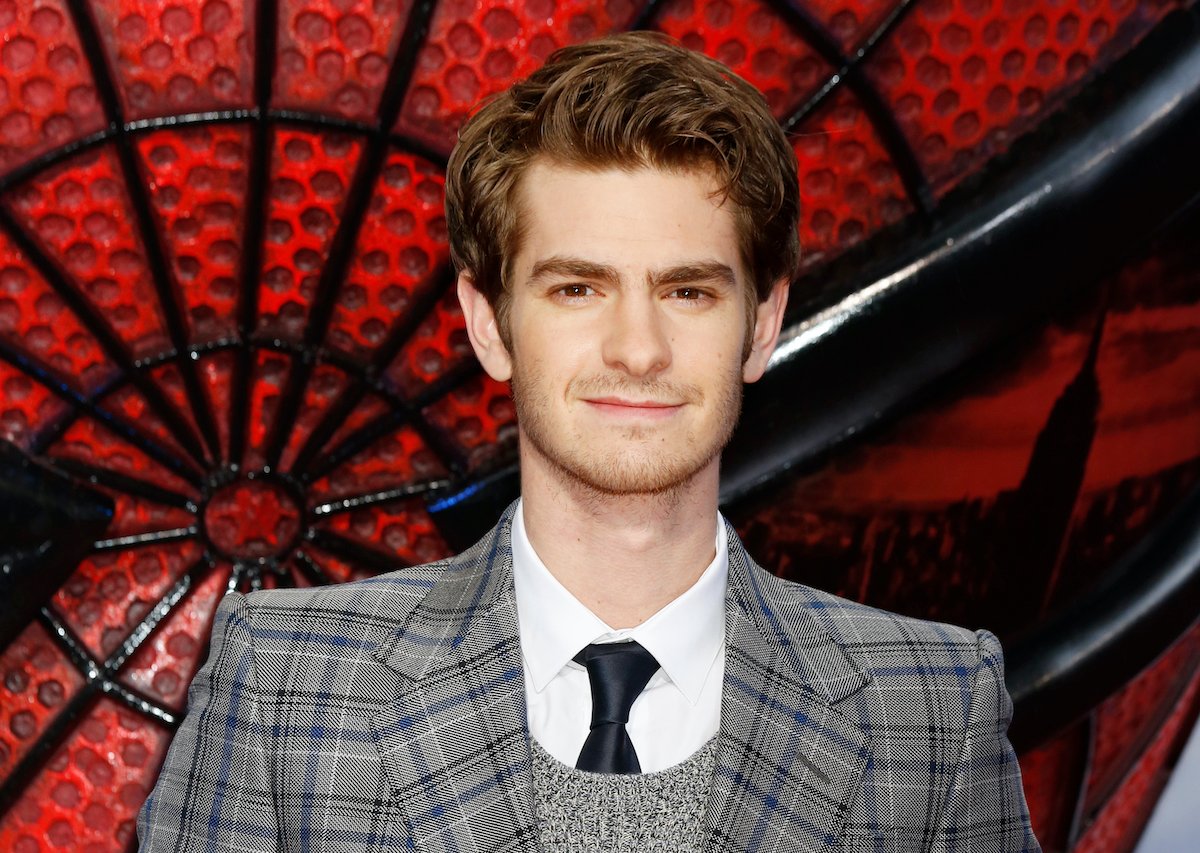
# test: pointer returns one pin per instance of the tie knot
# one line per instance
(617, 672)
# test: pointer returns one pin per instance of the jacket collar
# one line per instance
(455, 742)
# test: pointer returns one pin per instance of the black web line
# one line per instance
(136, 127)
(82, 404)
(253, 227)
(322, 122)
(53, 428)
(235, 578)
(350, 503)
(354, 552)
(345, 238)
(49, 159)
(102, 676)
(140, 540)
(335, 358)
(401, 411)
(54, 735)
(848, 71)
(110, 344)
(131, 486)
(93, 406)
(56, 156)
(647, 17)
(400, 333)
(63, 723)
(138, 701)
(414, 146)
(163, 609)
(170, 298)
(310, 569)
(399, 415)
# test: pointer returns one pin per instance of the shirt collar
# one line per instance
(685, 637)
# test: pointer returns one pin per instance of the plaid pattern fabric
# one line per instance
(389, 714)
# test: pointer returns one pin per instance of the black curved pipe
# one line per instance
(1081, 655)
(1056, 226)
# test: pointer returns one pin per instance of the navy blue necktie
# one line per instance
(618, 672)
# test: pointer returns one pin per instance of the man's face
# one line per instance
(627, 323)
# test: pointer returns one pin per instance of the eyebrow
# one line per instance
(574, 268)
(711, 271)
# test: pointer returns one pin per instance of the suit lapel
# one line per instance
(788, 761)
(455, 743)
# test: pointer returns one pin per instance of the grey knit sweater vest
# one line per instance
(579, 812)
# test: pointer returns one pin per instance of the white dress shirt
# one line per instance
(680, 709)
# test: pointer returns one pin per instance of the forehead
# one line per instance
(630, 218)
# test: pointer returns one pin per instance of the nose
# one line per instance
(636, 340)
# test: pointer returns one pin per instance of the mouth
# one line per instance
(620, 406)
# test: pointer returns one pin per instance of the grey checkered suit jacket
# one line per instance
(389, 714)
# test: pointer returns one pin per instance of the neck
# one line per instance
(626, 556)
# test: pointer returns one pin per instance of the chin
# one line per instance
(628, 474)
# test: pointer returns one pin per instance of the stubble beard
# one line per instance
(638, 466)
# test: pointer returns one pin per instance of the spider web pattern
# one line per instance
(225, 290)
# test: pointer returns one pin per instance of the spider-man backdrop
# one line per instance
(230, 356)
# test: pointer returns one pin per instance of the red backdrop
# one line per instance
(224, 304)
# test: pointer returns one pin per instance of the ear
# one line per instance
(483, 330)
(769, 319)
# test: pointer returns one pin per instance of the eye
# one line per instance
(574, 291)
(690, 294)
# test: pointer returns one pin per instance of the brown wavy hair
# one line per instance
(633, 100)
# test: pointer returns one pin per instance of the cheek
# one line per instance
(721, 344)
(560, 348)
(543, 372)
(710, 364)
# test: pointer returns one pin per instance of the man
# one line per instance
(607, 669)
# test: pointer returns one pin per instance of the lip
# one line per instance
(634, 408)
(633, 404)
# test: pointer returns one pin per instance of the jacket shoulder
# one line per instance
(409, 584)
(358, 615)
(875, 637)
